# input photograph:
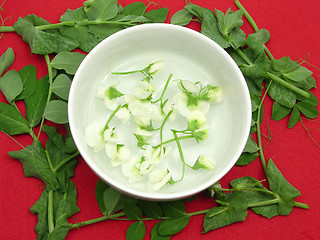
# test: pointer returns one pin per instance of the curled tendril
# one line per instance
(41, 187)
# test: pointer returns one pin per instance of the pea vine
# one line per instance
(287, 82)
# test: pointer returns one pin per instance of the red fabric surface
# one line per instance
(294, 28)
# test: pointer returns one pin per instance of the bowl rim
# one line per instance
(160, 196)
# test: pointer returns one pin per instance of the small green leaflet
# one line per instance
(102, 10)
(11, 85)
(182, 18)
(61, 86)
(157, 15)
(134, 9)
(155, 235)
(36, 103)
(173, 209)
(11, 120)
(136, 231)
(6, 60)
(151, 209)
(172, 226)
(68, 61)
(132, 211)
(28, 76)
(56, 111)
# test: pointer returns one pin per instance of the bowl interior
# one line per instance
(188, 55)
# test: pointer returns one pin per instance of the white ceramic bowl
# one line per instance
(188, 55)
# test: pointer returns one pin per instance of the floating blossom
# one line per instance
(215, 94)
(110, 135)
(155, 154)
(94, 135)
(118, 153)
(144, 90)
(142, 135)
(109, 95)
(154, 67)
(196, 120)
(204, 162)
(158, 178)
(188, 103)
(135, 169)
(166, 108)
(124, 114)
(140, 109)
(188, 86)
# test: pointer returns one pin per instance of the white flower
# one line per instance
(124, 115)
(212, 189)
(143, 90)
(155, 154)
(196, 120)
(215, 94)
(187, 86)
(184, 106)
(143, 135)
(167, 107)
(135, 169)
(110, 135)
(109, 95)
(118, 153)
(158, 178)
(141, 110)
(94, 136)
(204, 162)
(154, 67)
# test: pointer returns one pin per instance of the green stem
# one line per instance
(49, 160)
(50, 75)
(264, 203)
(164, 89)
(162, 125)
(111, 116)
(244, 57)
(96, 220)
(126, 73)
(301, 205)
(5, 29)
(288, 85)
(65, 161)
(179, 138)
(253, 24)
(180, 153)
(50, 211)
(263, 161)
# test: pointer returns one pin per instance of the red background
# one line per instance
(294, 28)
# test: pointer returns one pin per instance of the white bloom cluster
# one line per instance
(139, 109)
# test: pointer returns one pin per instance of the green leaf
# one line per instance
(246, 158)
(181, 17)
(311, 100)
(11, 120)
(41, 209)
(56, 111)
(132, 211)
(6, 60)
(135, 9)
(279, 185)
(173, 209)
(36, 103)
(227, 22)
(209, 28)
(102, 10)
(109, 199)
(268, 211)
(282, 95)
(68, 61)
(42, 42)
(251, 146)
(256, 41)
(28, 76)
(217, 217)
(151, 209)
(258, 69)
(172, 226)
(308, 109)
(61, 86)
(11, 85)
(196, 10)
(34, 162)
(155, 233)
(279, 112)
(157, 15)
(294, 118)
(136, 231)
(79, 33)
(104, 30)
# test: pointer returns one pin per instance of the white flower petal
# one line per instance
(185, 85)
(159, 178)
(111, 150)
(94, 136)
(110, 104)
(155, 66)
(101, 92)
(124, 115)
